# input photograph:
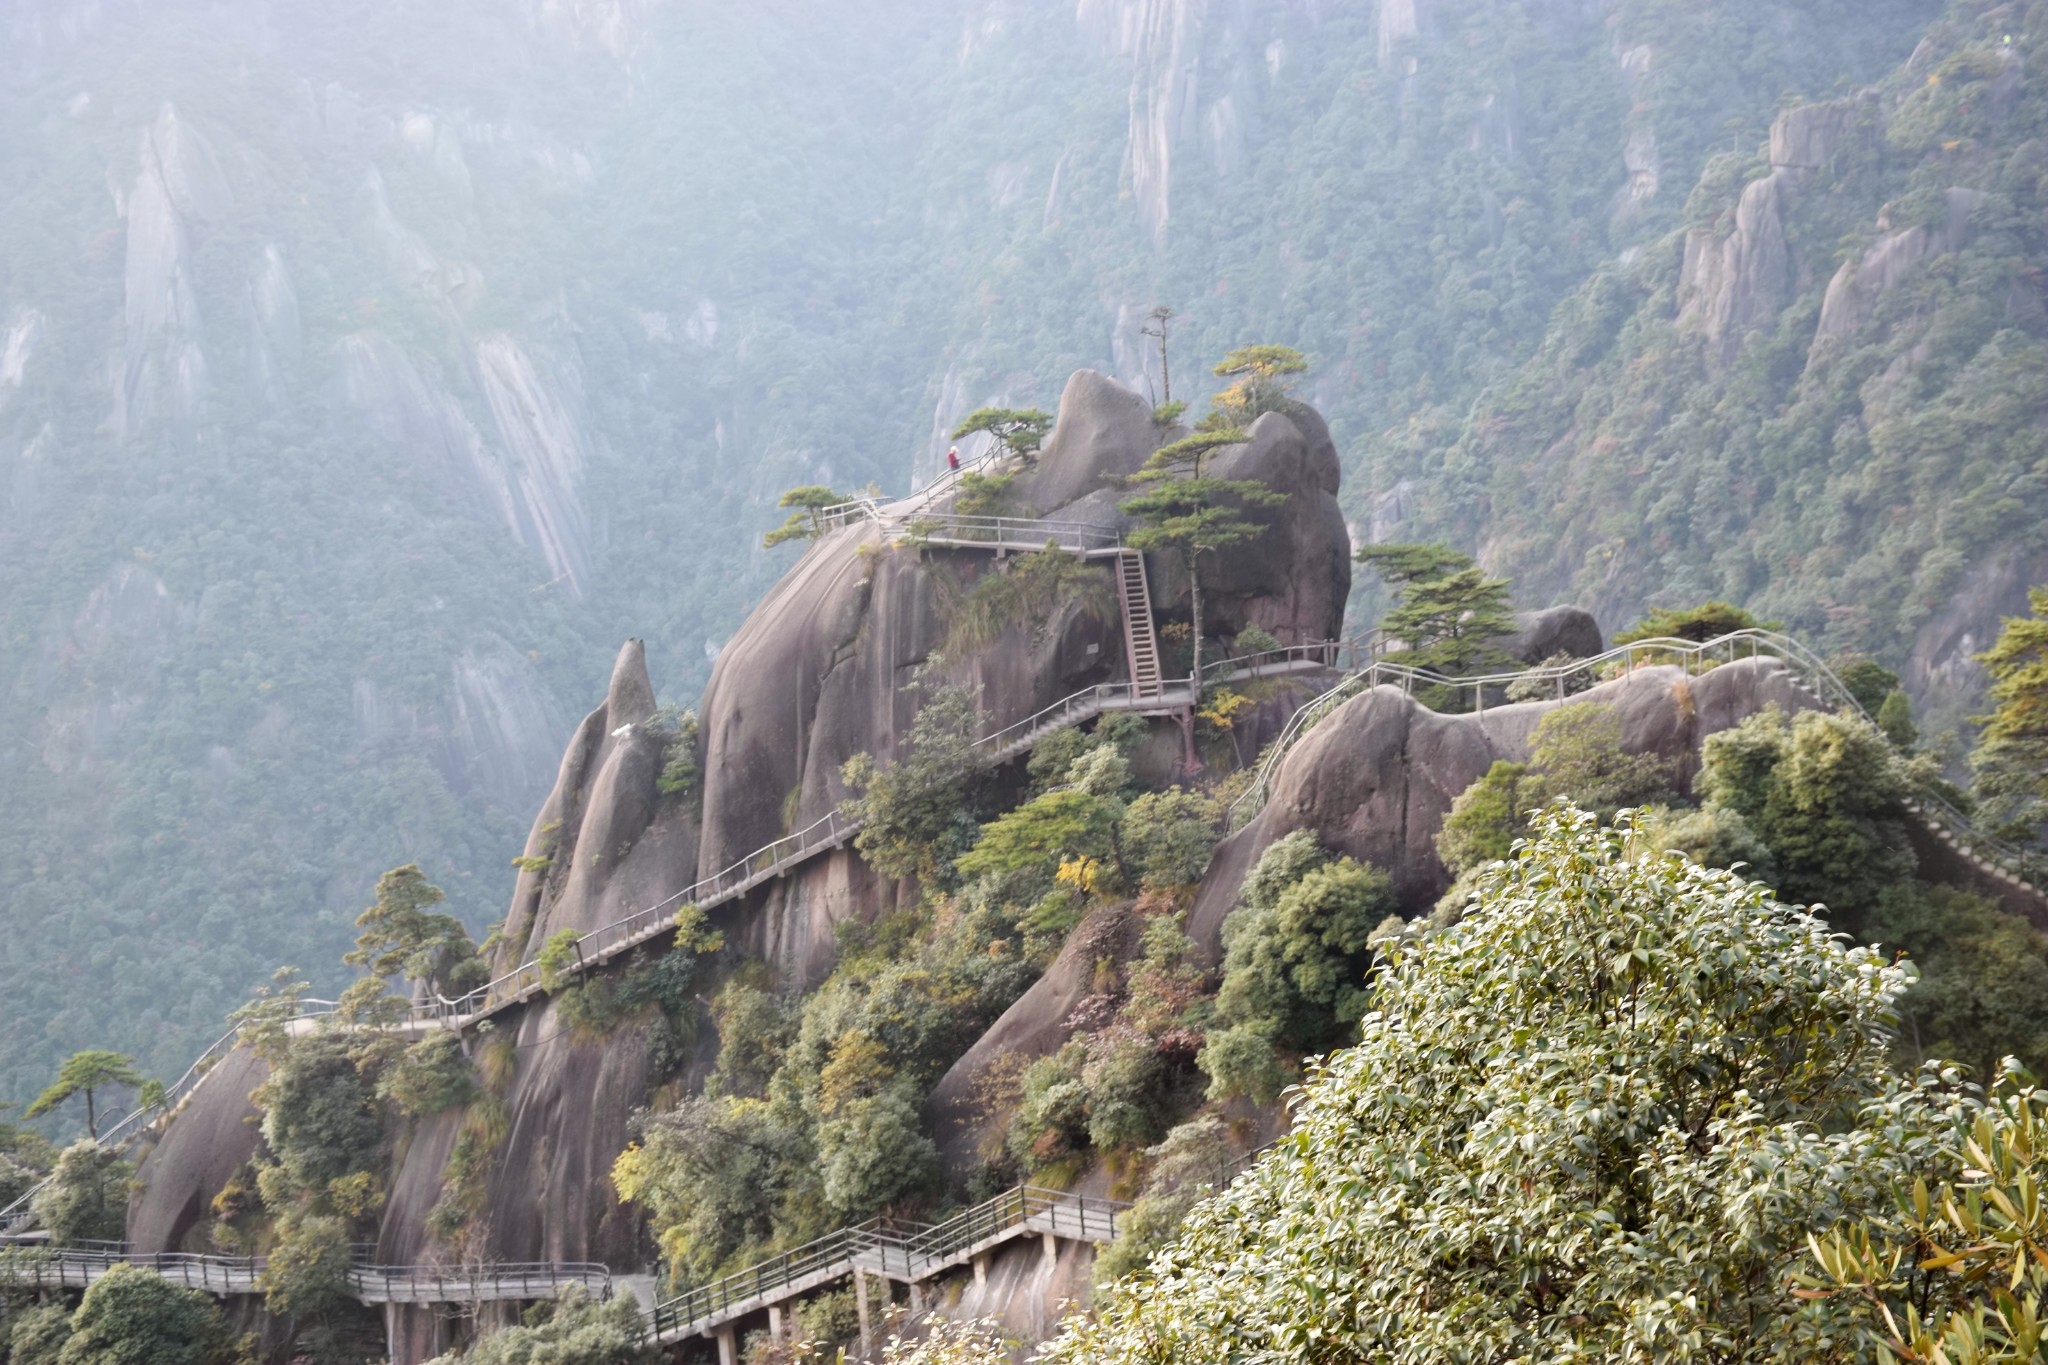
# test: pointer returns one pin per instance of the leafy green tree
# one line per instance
(982, 495)
(1895, 719)
(26, 1156)
(1954, 1274)
(1595, 1120)
(134, 1316)
(306, 1273)
(1262, 384)
(87, 1197)
(36, 1333)
(1824, 795)
(1019, 431)
(1486, 818)
(1029, 590)
(1866, 680)
(1447, 613)
(1189, 1163)
(1708, 621)
(676, 727)
(804, 523)
(1575, 753)
(1983, 990)
(403, 937)
(1295, 958)
(1169, 836)
(978, 1341)
(917, 814)
(2011, 757)
(873, 1151)
(430, 1077)
(83, 1073)
(1192, 514)
(317, 1113)
(713, 1173)
(1046, 831)
(573, 1330)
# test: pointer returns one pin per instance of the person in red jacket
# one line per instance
(953, 459)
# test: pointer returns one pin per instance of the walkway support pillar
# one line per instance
(1052, 1250)
(777, 1321)
(728, 1345)
(860, 1303)
(981, 1270)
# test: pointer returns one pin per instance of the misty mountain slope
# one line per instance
(1826, 396)
(367, 373)
(336, 439)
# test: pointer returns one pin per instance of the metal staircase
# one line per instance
(1141, 641)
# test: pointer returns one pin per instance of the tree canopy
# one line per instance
(1261, 374)
(2011, 759)
(1018, 431)
(1447, 612)
(1708, 621)
(134, 1316)
(1191, 514)
(404, 938)
(84, 1073)
(804, 523)
(1597, 1119)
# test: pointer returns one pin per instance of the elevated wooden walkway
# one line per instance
(910, 1254)
(29, 1266)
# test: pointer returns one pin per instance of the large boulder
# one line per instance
(1375, 779)
(1293, 577)
(818, 673)
(1553, 630)
(208, 1139)
(606, 844)
(1104, 432)
(1037, 1024)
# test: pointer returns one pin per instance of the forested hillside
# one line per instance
(1824, 394)
(363, 379)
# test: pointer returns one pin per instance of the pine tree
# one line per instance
(1191, 513)
(2011, 759)
(1447, 611)
(85, 1073)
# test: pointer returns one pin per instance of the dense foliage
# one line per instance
(1597, 1118)
(572, 1330)
(2011, 758)
(134, 1316)
(1295, 959)
(1956, 1274)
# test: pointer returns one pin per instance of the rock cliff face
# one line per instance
(817, 674)
(1740, 273)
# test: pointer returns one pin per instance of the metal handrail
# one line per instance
(1694, 656)
(955, 527)
(863, 507)
(44, 1266)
